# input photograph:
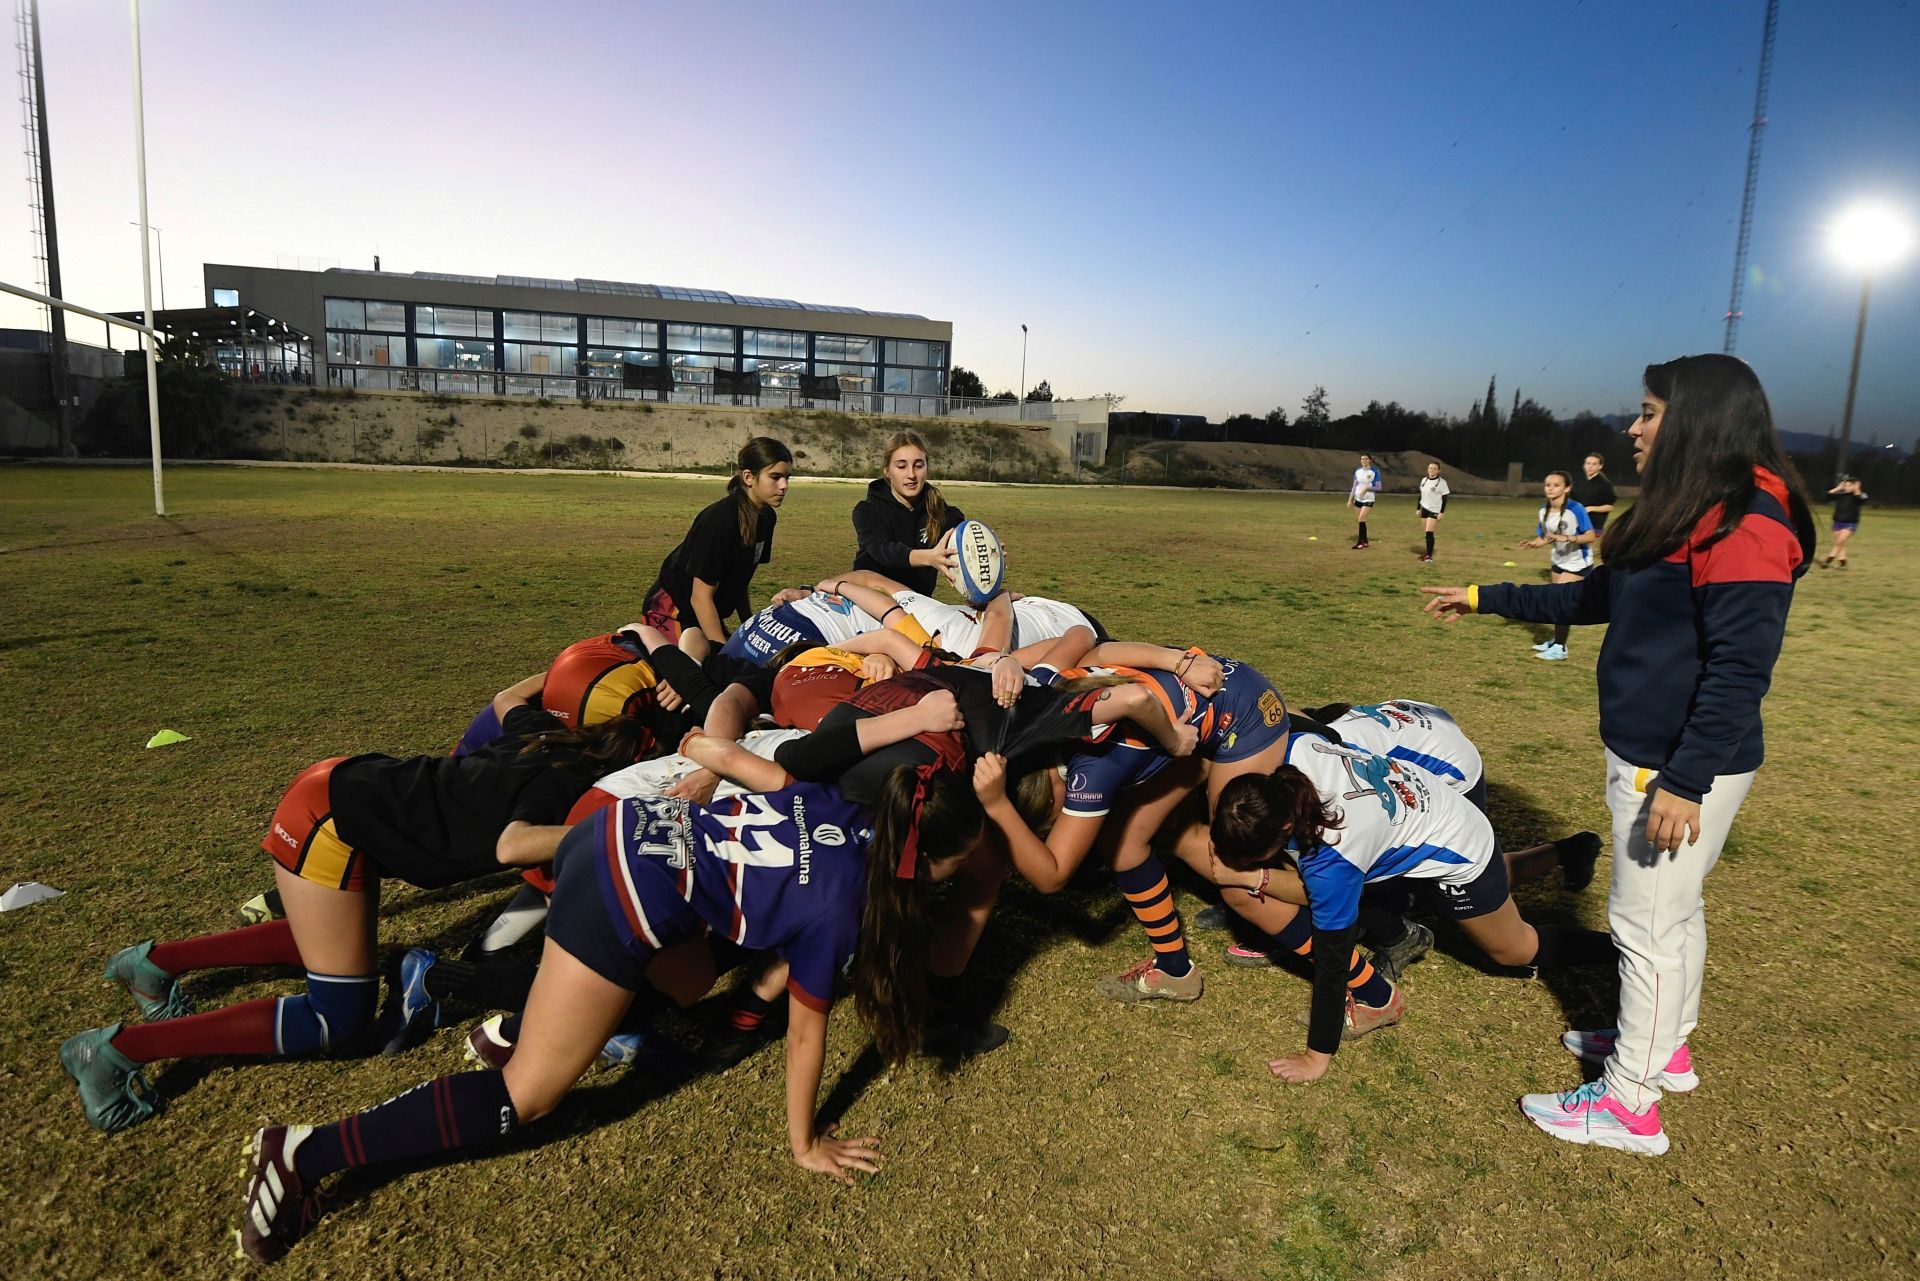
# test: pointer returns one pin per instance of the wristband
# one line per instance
(1473, 598)
(889, 614)
(688, 737)
(837, 586)
(1259, 891)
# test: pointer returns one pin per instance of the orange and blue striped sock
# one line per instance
(1363, 980)
(1151, 897)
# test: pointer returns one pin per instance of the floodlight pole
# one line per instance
(146, 266)
(1853, 379)
(1023, 371)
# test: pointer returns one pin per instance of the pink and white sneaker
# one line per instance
(1588, 1114)
(1596, 1047)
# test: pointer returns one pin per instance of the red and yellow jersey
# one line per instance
(817, 681)
(595, 680)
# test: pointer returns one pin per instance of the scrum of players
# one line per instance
(683, 800)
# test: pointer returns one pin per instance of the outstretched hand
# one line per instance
(1447, 603)
(839, 1158)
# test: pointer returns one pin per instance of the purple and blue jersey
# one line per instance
(783, 871)
(818, 619)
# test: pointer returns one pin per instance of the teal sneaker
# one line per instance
(157, 993)
(114, 1092)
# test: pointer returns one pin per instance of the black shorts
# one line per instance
(1427, 515)
(1577, 573)
(1483, 894)
(578, 919)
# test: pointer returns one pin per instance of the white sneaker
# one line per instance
(1553, 653)
(1542, 645)
(1597, 1046)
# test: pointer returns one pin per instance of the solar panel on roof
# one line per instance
(751, 301)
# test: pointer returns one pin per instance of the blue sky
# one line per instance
(1202, 208)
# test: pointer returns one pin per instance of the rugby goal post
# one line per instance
(153, 389)
(146, 273)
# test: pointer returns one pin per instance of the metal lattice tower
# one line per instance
(30, 126)
(1754, 133)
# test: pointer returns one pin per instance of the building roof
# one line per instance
(624, 288)
(229, 323)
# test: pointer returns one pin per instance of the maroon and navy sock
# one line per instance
(269, 943)
(747, 1011)
(1150, 895)
(465, 1110)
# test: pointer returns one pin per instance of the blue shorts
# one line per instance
(1483, 894)
(1256, 715)
(1847, 528)
(581, 917)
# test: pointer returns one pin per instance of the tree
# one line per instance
(1002, 395)
(1313, 410)
(1490, 412)
(964, 382)
(1043, 393)
(1277, 420)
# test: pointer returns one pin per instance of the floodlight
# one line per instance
(1870, 237)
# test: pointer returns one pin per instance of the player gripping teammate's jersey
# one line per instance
(820, 618)
(1396, 820)
(1571, 519)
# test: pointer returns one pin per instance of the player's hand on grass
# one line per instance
(941, 712)
(1672, 821)
(1298, 1069)
(668, 699)
(1446, 603)
(990, 779)
(878, 667)
(839, 1158)
(697, 787)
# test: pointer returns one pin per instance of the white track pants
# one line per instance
(1659, 922)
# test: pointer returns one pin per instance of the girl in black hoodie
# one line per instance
(900, 523)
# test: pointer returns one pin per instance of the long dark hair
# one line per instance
(755, 456)
(1716, 429)
(611, 744)
(936, 503)
(890, 972)
(1256, 814)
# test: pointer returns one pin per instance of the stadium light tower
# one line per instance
(1023, 369)
(1865, 238)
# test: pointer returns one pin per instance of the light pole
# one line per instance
(1023, 370)
(1865, 238)
(160, 260)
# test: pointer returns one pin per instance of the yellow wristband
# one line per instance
(1473, 598)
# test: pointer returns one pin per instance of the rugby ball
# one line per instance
(981, 565)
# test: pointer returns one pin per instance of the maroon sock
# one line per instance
(269, 943)
(246, 1028)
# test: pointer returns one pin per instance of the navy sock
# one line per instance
(1572, 945)
(1363, 533)
(1150, 896)
(1429, 544)
(464, 1110)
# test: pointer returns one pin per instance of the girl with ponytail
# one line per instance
(706, 577)
(1347, 820)
(900, 523)
(345, 824)
(798, 868)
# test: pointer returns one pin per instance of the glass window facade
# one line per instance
(431, 346)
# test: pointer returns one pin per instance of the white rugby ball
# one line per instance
(981, 564)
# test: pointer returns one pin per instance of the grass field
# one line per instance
(283, 616)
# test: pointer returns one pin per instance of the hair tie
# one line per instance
(910, 847)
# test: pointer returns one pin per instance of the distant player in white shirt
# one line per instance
(1360, 497)
(1567, 530)
(1433, 503)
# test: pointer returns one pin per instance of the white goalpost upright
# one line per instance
(146, 277)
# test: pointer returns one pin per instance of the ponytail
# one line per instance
(1257, 815)
(611, 744)
(890, 991)
(755, 456)
(936, 515)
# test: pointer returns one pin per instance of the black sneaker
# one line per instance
(955, 1036)
(278, 1207)
(1578, 854)
(1393, 960)
(1216, 917)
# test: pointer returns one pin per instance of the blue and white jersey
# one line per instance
(1366, 484)
(1572, 519)
(819, 619)
(1396, 819)
(1417, 733)
(654, 778)
(781, 870)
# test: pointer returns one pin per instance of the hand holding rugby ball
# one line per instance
(980, 564)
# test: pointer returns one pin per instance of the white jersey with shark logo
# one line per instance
(1418, 733)
(650, 779)
(956, 628)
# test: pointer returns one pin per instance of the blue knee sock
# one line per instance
(333, 1010)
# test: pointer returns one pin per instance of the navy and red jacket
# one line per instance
(1691, 648)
